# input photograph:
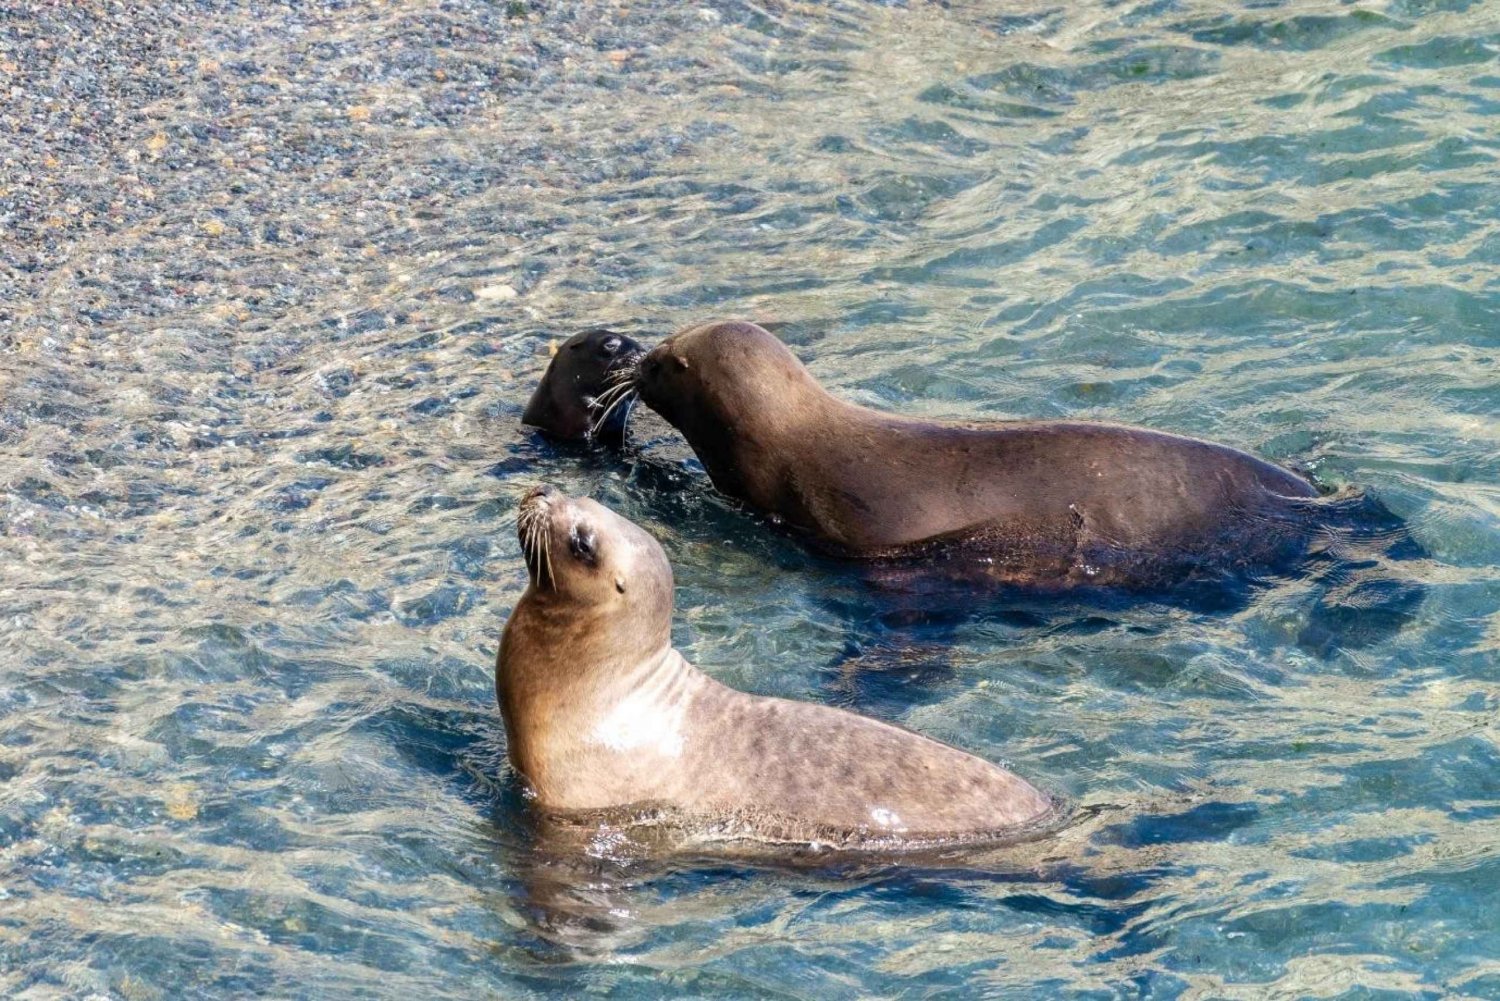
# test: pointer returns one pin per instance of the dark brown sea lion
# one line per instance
(572, 402)
(602, 714)
(1054, 504)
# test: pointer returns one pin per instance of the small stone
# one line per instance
(359, 113)
(213, 227)
(156, 143)
(180, 805)
(619, 56)
(496, 293)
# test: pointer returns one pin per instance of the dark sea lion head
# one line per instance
(726, 385)
(604, 576)
(579, 398)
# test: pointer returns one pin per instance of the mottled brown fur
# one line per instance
(602, 713)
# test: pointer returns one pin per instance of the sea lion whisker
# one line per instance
(534, 539)
(605, 415)
(608, 396)
(535, 544)
(541, 560)
(596, 404)
(527, 528)
(628, 372)
(613, 393)
(544, 556)
(615, 396)
(630, 402)
(546, 538)
(537, 555)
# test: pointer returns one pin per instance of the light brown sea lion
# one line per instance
(1055, 504)
(572, 402)
(602, 714)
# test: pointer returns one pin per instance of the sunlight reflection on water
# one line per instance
(277, 285)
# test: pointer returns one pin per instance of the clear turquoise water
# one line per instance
(274, 287)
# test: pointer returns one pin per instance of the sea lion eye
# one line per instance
(582, 545)
(610, 345)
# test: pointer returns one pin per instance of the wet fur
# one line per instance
(578, 397)
(602, 714)
(1050, 505)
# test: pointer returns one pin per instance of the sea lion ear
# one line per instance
(619, 583)
(680, 362)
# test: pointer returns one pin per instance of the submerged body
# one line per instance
(1042, 503)
(601, 713)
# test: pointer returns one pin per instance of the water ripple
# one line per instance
(274, 286)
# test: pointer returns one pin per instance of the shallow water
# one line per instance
(276, 282)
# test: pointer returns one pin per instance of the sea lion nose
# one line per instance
(545, 492)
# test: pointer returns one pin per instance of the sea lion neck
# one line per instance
(748, 434)
(595, 635)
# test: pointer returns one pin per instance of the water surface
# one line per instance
(275, 282)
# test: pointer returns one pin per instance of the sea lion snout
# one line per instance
(651, 364)
(659, 376)
(539, 496)
(534, 528)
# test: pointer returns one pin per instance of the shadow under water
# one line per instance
(277, 281)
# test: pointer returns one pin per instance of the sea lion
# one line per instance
(602, 714)
(571, 401)
(1048, 504)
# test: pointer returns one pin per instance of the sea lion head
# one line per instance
(588, 564)
(578, 398)
(724, 374)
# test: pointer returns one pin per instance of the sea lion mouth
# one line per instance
(615, 403)
(533, 528)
